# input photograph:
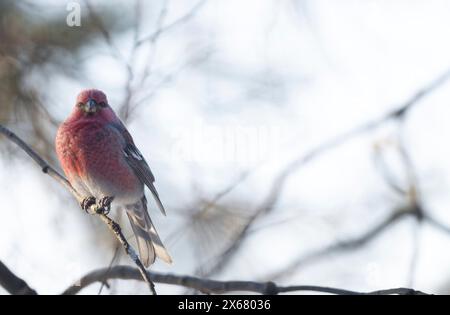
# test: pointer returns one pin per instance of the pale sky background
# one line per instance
(266, 81)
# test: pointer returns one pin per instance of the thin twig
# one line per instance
(104, 31)
(163, 29)
(437, 224)
(116, 252)
(386, 172)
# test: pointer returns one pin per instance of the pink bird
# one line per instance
(102, 163)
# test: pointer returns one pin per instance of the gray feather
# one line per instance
(149, 243)
(142, 171)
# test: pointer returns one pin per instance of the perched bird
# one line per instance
(102, 163)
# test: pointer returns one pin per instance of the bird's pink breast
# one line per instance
(92, 153)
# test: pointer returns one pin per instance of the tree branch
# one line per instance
(46, 168)
(212, 286)
(12, 283)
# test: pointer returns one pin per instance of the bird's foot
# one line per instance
(87, 203)
(104, 205)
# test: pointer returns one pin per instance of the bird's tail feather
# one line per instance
(156, 196)
(148, 241)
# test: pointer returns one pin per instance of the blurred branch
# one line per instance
(386, 173)
(273, 196)
(409, 191)
(12, 283)
(103, 31)
(226, 256)
(162, 29)
(135, 78)
(161, 82)
(397, 114)
(415, 254)
(116, 254)
(340, 246)
(437, 225)
(129, 106)
(212, 286)
(112, 225)
(412, 195)
(206, 207)
(125, 107)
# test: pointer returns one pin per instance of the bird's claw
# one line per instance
(87, 203)
(104, 205)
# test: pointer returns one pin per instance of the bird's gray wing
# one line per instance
(137, 162)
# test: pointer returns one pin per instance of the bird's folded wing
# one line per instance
(137, 162)
(142, 170)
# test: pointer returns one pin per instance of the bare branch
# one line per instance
(415, 253)
(398, 113)
(160, 30)
(223, 259)
(135, 82)
(116, 254)
(12, 283)
(351, 244)
(104, 31)
(212, 286)
(46, 168)
(437, 225)
(386, 173)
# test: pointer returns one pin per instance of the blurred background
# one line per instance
(298, 141)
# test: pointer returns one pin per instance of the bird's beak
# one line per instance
(90, 106)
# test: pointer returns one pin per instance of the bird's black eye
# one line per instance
(102, 104)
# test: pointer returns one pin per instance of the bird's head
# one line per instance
(91, 102)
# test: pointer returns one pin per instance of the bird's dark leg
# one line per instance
(87, 203)
(104, 205)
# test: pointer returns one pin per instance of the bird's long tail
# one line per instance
(148, 241)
